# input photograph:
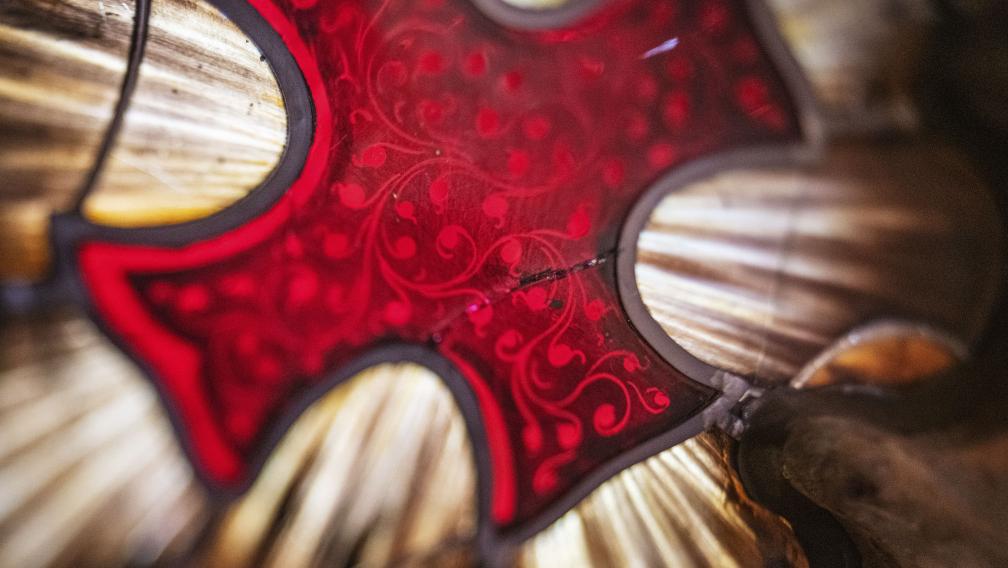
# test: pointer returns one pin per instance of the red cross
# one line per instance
(458, 200)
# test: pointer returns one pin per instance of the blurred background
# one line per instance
(895, 233)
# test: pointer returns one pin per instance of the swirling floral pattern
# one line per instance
(464, 191)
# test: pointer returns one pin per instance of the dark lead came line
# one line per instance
(138, 41)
